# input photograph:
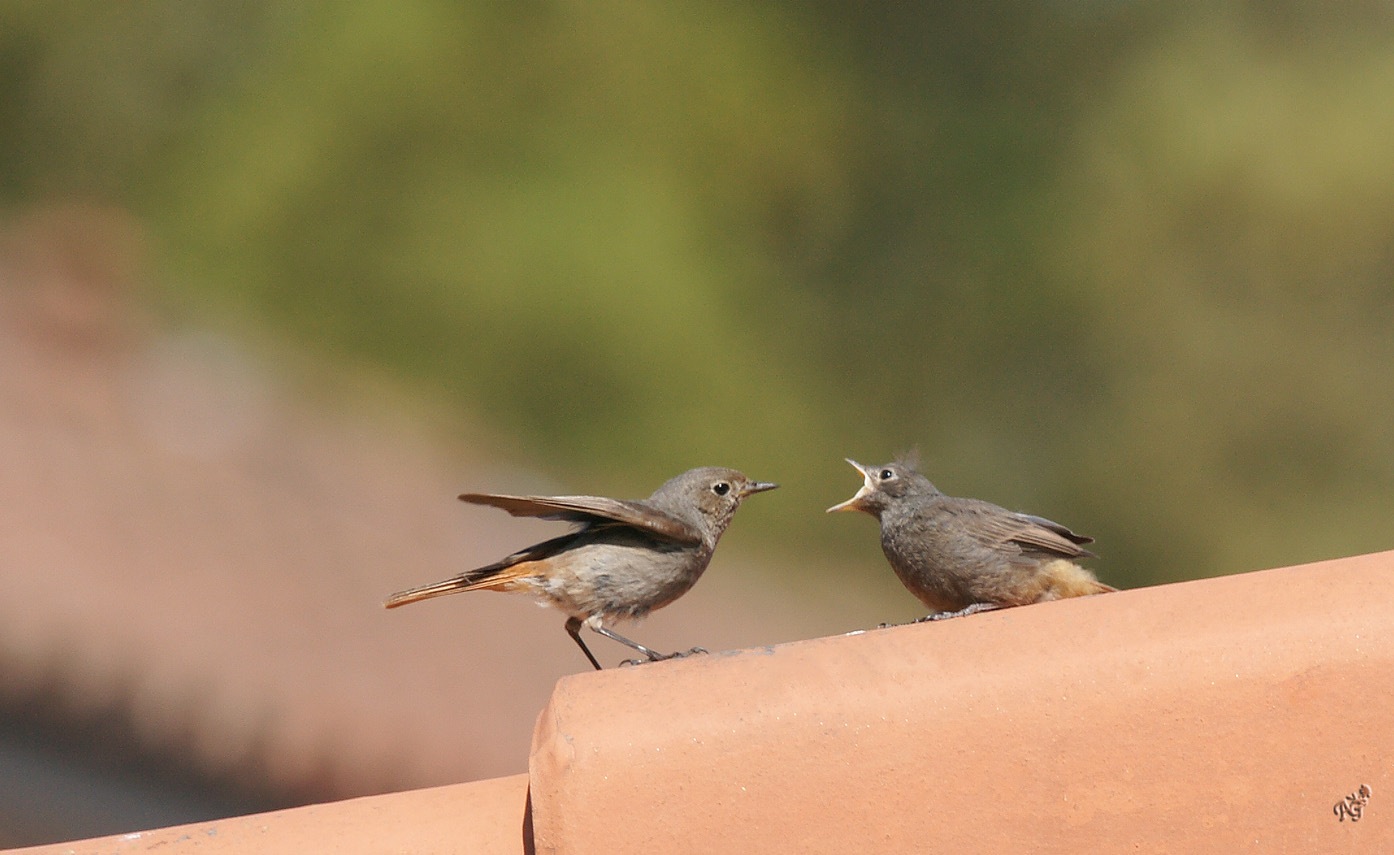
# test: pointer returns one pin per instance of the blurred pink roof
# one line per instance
(187, 538)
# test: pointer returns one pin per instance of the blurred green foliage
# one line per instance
(1127, 265)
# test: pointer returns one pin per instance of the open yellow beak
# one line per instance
(855, 503)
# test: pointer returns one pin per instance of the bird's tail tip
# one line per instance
(401, 598)
(1068, 579)
(424, 592)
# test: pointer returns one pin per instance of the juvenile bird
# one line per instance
(627, 558)
(960, 556)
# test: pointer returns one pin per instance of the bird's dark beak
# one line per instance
(855, 503)
(754, 487)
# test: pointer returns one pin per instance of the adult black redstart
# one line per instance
(627, 558)
(961, 556)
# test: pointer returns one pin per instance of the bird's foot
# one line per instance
(964, 612)
(659, 657)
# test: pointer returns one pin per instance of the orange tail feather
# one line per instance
(491, 578)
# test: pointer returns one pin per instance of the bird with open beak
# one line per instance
(960, 556)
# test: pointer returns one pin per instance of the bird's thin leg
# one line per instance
(573, 627)
(963, 612)
(652, 655)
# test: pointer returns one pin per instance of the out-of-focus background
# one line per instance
(277, 281)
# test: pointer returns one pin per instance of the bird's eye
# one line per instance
(887, 474)
(721, 488)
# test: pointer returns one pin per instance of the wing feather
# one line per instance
(995, 526)
(592, 509)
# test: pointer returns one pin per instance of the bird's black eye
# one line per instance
(721, 488)
(887, 474)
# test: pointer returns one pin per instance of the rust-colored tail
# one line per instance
(506, 574)
(426, 592)
(495, 577)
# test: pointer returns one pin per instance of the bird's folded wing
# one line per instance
(1046, 540)
(1029, 532)
(1057, 528)
(591, 509)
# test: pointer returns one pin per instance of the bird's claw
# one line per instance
(659, 657)
(935, 616)
(975, 608)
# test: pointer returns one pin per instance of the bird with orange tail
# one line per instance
(627, 557)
